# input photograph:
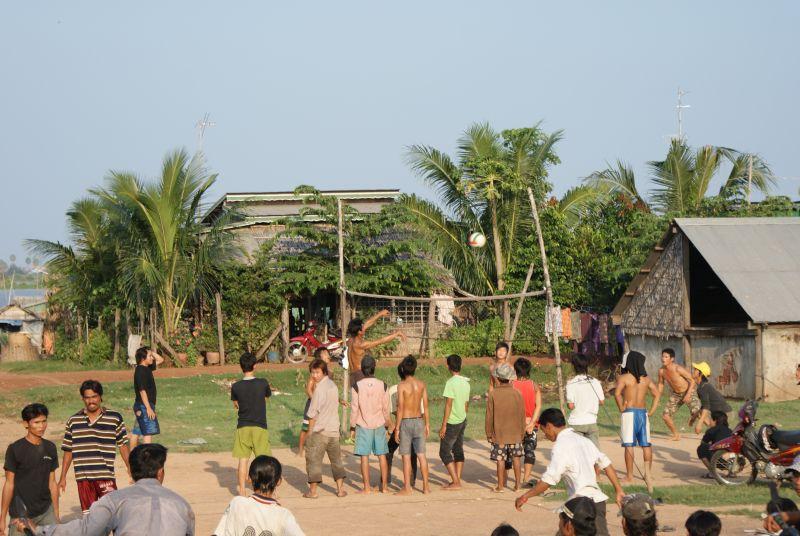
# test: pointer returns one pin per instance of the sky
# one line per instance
(332, 93)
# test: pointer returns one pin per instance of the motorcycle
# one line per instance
(302, 346)
(751, 451)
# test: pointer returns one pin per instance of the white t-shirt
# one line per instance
(572, 460)
(259, 514)
(586, 393)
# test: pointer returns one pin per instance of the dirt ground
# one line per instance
(207, 481)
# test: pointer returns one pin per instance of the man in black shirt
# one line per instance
(710, 399)
(30, 467)
(144, 387)
(249, 397)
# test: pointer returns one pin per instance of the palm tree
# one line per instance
(482, 191)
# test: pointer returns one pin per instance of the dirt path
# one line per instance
(16, 382)
(207, 480)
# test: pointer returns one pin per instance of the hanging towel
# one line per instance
(552, 321)
(603, 320)
(566, 323)
(586, 327)
(595, 329)
(575, 318)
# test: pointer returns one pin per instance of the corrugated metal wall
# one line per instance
(732, 360)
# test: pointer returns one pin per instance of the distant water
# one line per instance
(20, 293)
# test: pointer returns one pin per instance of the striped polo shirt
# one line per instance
(94, 444)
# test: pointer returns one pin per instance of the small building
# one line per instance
(725, 291)
(21, 331)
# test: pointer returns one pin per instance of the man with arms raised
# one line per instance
(630, 395)
(413, 425)
(357, 347)
(683, 389)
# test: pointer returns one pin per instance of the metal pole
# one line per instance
(549, 294)
(342, 315)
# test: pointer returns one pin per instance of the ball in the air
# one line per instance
(476, 240)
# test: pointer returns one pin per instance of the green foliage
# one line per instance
(3, 338)
(99, 348)
(469, 341)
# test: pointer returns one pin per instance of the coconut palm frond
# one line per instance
(675, 179)
(577, 201)
(615, 179)
(741, 176)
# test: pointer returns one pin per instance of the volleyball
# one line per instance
(476, 240)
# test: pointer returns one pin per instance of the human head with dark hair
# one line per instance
(775, 506)
(720, 418)
(92, 395)
(248, 362)
(522, 367)
(34, 416)
(454, 363)
(667, 356)
(318, 365)
(577, 517)
(639, 515)
(504, 529)
(703, 523)
(580, 363)
(322, 353)
(401, 372)
(634, 365)
(501, 350)
(141, 354)
(409, 365)
(355, 327)
(147, 461)
(368, 366)
(265, 474)
(552, 422)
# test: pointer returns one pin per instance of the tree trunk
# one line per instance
(500, 269)
(116, 333)
(220, 337)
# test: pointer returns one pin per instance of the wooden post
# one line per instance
(429, 328)
(220, 337)
(116, 333)
(264, 347)
(549, 293)
(285, 335)
(518, 312)
(153, 329)
(344, 428)
(687, 311)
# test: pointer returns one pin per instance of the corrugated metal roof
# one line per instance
(758, 260)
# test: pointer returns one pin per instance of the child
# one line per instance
(370, 417)
(260, 513)
(323, 354)
(500, 357)
(454, 422)
(413, 425)
(505, 425)
(777, 506)
(703, 523)
(532, 397)
(249, 397)
(30, 466)
(144, 388)
(717, 432)
(393, 444)
(584, 396)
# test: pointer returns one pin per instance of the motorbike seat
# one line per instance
(786, 438)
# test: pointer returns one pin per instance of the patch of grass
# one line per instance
(56, 365)
(746, 512)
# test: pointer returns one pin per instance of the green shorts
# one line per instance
(251, 441)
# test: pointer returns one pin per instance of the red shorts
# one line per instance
(90, 491)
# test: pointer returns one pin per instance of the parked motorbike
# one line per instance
(302, 346)
(752, 450)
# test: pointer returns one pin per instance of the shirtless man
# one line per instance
(683, 389)
(356, 345)
(413, 425)
(500, 357)
(631, 394)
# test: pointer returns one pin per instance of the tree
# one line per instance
(483, 190)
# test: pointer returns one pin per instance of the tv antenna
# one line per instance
(680, 107)
(201, 126)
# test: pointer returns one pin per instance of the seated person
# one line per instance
(773, 507)
(717, 432)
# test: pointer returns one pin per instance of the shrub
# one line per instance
(99, 348)
(471, 341)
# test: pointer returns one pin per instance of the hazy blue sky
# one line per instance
(330, 93)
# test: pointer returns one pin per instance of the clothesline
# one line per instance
(592, 333)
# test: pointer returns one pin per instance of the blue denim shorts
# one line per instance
(144, 424)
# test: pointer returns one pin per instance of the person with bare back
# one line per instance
(501, 357)
(357, 347)
(631, 395)
(413, 425)
(683, 389)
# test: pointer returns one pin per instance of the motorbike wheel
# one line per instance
(296, 353)
(731, 469)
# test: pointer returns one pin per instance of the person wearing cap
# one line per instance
(577, 517)
(573, 460)
(710, 399)
(639, 515)
(505, 426)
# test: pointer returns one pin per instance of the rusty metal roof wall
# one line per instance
(758, 260)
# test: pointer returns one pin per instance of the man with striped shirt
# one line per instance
(91, 439)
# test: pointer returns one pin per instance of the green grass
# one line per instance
(56, 365)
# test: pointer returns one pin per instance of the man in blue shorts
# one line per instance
(630, 395)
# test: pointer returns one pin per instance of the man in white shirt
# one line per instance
(573, 459)
(584, 396)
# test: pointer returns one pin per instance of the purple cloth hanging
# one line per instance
(595, 333)
(620, 336)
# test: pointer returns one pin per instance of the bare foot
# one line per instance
(341, 493)
(404, 491)
(365, 491)
(627, 480)
(451, 486)
(308, 495)
(426, 489)
(676, 437)
(498, 490)
(517, 487)
(649, 483)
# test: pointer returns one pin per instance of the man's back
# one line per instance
(410, 393)
(250, 394)
(634, 393)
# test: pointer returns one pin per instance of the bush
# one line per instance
(98, 349)
(66, 348)
(471, 341)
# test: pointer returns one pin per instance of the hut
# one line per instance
(725, 291)
(22, 333)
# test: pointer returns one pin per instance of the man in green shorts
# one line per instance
(249, 397)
